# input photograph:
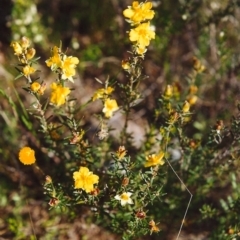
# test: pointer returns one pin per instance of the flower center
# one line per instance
(124, 197)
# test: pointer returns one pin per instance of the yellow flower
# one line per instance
(27, 156)
(38, 88)
(16, 48)
(101, 92)
(59, 94)
(153, 226)
(108, 90)
(153, 159)
(98, 94)
(85, 179)
(61, 61)
(21, 46)
(110, 106)
(121, 152)
(139, 12)
(55, 61)
(35, 86)
(68, 67)
(142, 34)
(124, 198)
(27, 70)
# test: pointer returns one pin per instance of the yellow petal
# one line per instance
(128, 13)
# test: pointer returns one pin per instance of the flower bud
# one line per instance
(95, 192)
(42, 88)
(121, 152)
(35, 86)
(186, 107)
(54, 202)
(193, 89)
(30, 53)
(48, 180)
(219, 125)
(192, 144)
(28, 70)
(141, 214)
(16, 48)
(141, 50)
(125, 181)
(192, 99)
(25, 43)
(125, 65)
(197, 65)
(168, 91)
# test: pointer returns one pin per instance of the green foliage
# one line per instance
(26, 21)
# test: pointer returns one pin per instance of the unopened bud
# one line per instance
(219, 125)
(193, 89)
(192, 99)
(25, 43)
(121, 152)
(169, 91)
(197, 65)
(53, 202)
(48, 180)
(141, 214)
(16, 48)
(125, 65)
(125, 181)
(186, 107)
(95, 192)
(42, 88)
(30, 53)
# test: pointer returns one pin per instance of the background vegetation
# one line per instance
(95, 32)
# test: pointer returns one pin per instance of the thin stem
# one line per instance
(181, 181)
(188, 205)
(124, 131)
